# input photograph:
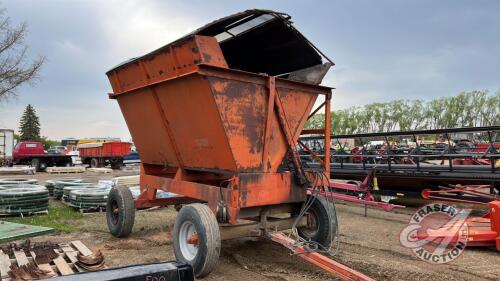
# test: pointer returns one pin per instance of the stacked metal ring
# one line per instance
(23, 199)
(88, 199)
(50, 184)
(60, 184)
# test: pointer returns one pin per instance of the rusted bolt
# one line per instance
(193, 239)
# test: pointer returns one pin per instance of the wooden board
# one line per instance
(71, 254)
(4, 265)
(100, 170)
(127, 180)
(10, 231)
(21, 258)
(64, 264)
(82, 248)
(43, 266)
(61, 170)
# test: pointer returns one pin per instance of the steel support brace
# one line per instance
(336, 269)
(354, 199)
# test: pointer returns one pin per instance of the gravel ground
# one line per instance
(368, 244)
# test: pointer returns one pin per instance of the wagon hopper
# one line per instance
(216, 116)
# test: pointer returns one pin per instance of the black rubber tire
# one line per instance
(325, 218)
(209, 244)
(116, 164)
(94, 163)
(42, 166)
(120, 224)
(35, 163)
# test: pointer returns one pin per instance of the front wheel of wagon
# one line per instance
(321, 225)
(197, 238)
(120, 211)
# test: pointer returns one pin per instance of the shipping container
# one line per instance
(6, 146)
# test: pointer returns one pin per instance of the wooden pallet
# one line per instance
(126, 180)
(100, 170)
(64, 170)
(17, 170)
(64, 264)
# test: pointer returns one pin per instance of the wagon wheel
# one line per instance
(120, 211)
(197, 238)
(321, 224)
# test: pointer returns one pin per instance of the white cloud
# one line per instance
(133, 28)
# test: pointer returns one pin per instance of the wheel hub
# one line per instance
(115, 212)
(312, 226)
(188, 240)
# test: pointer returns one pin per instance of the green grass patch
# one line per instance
(60, 217)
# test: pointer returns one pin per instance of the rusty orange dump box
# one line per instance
(189, 105)
(216, 116)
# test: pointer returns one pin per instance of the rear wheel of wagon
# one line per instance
(120, 211)
(321, 225)
(197, 238)
(94, 163)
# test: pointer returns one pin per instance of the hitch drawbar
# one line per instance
(336, 269)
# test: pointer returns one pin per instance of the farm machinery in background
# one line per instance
(462, 172)
(483, 231)
(408, 162)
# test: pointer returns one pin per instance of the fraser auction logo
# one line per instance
(437, 233)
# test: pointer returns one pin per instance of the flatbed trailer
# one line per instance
(42, 161)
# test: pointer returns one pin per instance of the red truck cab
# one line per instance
(26, 149)
(33, 153)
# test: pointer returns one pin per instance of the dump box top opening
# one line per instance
(264, 41)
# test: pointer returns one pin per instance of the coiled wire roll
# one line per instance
(18, 181)
(23, 199)
(59, 186)
(89, 199)
(50, 184)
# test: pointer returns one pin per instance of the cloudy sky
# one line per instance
(383, 50)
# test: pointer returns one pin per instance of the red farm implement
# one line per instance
(482, 231)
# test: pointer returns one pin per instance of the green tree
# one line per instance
(467, 109)
(47, 143)
(29, 126)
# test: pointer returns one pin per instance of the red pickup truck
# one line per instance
(33, 153)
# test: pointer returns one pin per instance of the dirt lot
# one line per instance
(369, 244)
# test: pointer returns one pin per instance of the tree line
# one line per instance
(468, 109)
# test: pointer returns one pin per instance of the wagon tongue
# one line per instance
(335, 268)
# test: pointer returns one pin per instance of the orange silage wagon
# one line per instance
(216, 116)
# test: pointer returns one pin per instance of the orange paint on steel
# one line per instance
(204, 115)
(328, 112)
(193, 239)
(335, 268)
